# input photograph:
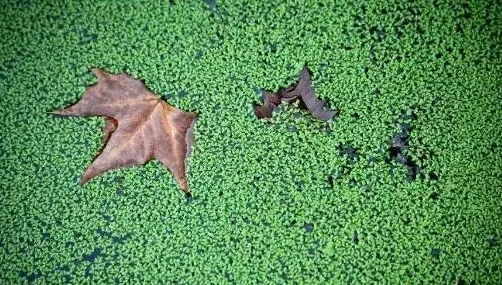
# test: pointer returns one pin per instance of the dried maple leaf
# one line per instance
(139, 126)
(302, 91)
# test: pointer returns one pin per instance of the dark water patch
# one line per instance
(30, 276)
(492, 242)
(413, 169)
(399, 143)
(310, 252)
(309, 227)
(355, 238)
(349, 151)
(435, 252)
(434, 196)
(212, 5)
(188, 198)
(331, 181)
(272, 47)
(433, 176)
(115, 239)
(92, 256)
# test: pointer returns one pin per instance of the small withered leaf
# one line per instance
(139, 126)
(270, 102)
(303, 91)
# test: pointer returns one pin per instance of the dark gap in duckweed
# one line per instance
(115, 239)
(189, 198)
(85, 37)
(435, 252)
(272, 47)
(67, 278)
(62, 268)
(413, 170)
(292, 129)
(348, 151)
(118, 179)
(213, 5)
(284, 276)
(30, 242)
(373, 56)
(201, 219)
(326, 129)
(310, 252)
(433, 176)
(92, 256)
(309, 227)
(337, 177)
(299, 185)
(366, 70)
(355, 238)
(219, 35)
(377, 33)
(399, 146)
(106, 217)
(87, 272)
(463, 282)
(492, 242)
(407, 221)
(12, 63)
(30, 276)
(331, 181)
(229, 277)
(434, 196)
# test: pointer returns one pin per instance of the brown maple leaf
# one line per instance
(302, 91)
(139, 126)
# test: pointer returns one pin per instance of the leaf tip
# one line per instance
(99, 73)
(58, 113)
(85, 177)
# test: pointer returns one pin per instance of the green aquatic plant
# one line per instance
(290, 199)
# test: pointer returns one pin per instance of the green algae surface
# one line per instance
(404, 186)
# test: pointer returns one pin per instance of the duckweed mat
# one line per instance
(403, 186)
